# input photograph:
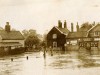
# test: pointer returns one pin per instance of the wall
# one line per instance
(60, 38)
(20, 41)
(2, 51)
(0, 38)
(72, 47)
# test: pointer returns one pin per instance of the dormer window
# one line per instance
(54, 36)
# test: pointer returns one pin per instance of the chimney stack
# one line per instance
(94, 23)
(77, 27)
(7, 27)
(65, 24)
(71, 27)
(59, 24)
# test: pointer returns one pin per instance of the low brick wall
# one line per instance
(3, 52)
(17, 50)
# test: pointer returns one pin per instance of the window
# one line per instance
(96, 33)
(54, 36)
(81, 44)
(6, 48)
(92, 44)
(73, 42)
(96, 44)
(97, 39)
(12, 47)
(54, 44)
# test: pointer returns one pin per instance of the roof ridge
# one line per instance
(13, 35)
(92, 27)
(58, 29)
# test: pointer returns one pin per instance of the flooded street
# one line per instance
(69, 63)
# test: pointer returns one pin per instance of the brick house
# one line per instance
(56, 37)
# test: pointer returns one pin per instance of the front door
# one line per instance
(54, 44)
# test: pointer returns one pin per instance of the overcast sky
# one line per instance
(42, 15)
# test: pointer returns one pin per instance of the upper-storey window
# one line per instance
(54, 36)
(96, 33)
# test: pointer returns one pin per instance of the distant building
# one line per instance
(10, 39)
(56, 37)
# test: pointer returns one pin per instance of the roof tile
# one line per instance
(12, 35)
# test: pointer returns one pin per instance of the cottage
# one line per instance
(91, 38)
(94, 35)
(56, 38)
(74, 37)
(10, 39)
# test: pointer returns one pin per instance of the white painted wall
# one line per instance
(97, 39)
(73, 42)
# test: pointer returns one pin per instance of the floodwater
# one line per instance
(60, 63)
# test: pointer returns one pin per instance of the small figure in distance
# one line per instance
(27, 57)
(11, 59)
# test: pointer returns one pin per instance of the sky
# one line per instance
(42, 15)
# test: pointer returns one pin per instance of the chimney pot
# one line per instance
(7, 23)
(77, 27)
(94, 23)
(71, 27)
(59, 24)
(7, 27)
(65, 24)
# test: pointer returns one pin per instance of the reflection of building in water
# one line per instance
(10, 39)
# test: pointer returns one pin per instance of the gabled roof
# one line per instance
(85, 28)
(94, 27)
(76, 35)
(62, 30)
(12, 35)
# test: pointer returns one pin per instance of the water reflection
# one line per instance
(38, 65)
(74, 59)
(87, 59)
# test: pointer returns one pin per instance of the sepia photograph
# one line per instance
(49, 37)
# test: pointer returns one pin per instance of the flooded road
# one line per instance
(69, 63)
